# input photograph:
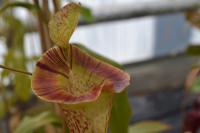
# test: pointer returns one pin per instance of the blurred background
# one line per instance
(152, 39)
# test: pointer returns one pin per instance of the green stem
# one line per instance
(15, 70)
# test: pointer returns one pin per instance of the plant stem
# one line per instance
(56, 4)
(41, 27)
(46, 12)
(15, 70)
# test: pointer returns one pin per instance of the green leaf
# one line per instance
(148, 127)
(193, 50)
(196, 85)
(121, 113)
(86, 14)
(121, 110)
(17, 4)
(2, 109)
(22, 87)
(30, 124)
(15, 58)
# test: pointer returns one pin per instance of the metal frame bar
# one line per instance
(132, 10)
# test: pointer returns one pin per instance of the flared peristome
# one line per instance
(83, 86)
(70, 77)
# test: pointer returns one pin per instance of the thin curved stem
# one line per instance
(15, 70)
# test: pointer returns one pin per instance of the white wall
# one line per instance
(135, 39)
(122, 41)
(128, 40)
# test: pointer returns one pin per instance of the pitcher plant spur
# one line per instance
(80, 84)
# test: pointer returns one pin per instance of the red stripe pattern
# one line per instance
(82, 85)
(54, 80)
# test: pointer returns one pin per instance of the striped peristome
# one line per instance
(83, 90)
(80, 84)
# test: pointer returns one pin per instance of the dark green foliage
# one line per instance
(193, 50)
(86, 14)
